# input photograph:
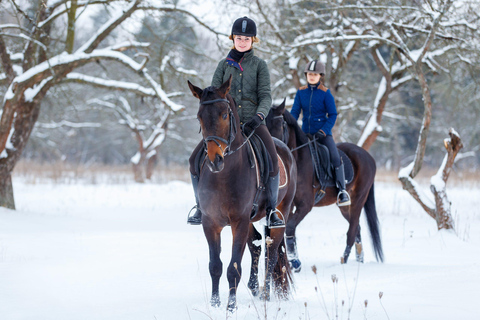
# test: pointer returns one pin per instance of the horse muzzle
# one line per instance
(217, 164)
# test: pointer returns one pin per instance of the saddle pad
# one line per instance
(283, 173)
(281, 169)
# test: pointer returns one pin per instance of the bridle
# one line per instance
(232, 131)
(286, 134)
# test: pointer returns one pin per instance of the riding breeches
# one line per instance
(332, 148)
(262, 132)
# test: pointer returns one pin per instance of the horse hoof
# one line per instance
(215, 302)
(255, 291)
(232, 305)
(343, 260)
(359, 252)
(295, 265)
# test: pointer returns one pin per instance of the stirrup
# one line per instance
(190, 216)
(346, 203)
(282, 218)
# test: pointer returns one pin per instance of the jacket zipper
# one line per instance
(310, 111)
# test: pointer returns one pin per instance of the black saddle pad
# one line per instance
(323, 169)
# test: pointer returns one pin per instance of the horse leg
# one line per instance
(273, 239)
(358, 245)
(352, 214)
(215, 265)
(291, 240)
(255, 250)
(234, 270)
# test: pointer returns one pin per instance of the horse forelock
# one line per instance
(207, 91)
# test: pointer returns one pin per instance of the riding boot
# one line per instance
(273, 221)
(343, 198)
(196, 218)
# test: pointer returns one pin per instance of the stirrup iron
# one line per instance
(347, 203)
(282, 218)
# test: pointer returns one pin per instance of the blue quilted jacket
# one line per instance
(318, 107)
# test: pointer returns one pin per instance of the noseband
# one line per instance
(232, 130)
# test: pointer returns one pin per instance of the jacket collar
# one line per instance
(236, 64)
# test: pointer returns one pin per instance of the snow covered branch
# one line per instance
(110, 84)
(107, 28)
(65, 123)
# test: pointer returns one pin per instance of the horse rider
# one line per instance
(250, 89)
(319, 116)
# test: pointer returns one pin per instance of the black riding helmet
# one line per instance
(244, 27)
(315, 66)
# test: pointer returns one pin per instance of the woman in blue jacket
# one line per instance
(319, 116)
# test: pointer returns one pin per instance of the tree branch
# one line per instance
(110, 84)
(107, 28)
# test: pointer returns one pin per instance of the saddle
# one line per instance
(324, 170)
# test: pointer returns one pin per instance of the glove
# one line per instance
(252, 124)
(320, 134)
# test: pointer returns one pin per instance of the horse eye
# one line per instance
(224, 116)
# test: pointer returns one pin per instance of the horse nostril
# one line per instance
(218, 159)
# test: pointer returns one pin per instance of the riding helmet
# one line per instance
(244, 27)
(315, 66)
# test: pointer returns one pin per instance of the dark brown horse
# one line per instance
(226, 192)
(283, 125)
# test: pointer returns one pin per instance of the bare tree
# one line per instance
(32, 68)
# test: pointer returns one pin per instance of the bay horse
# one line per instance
(226, 192)
(284, 126)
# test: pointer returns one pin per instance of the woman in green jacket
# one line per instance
(250, 89)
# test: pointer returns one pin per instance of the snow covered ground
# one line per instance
(105, 251)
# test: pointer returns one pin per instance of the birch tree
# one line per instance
(31, 69)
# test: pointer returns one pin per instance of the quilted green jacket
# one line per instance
(250, 84)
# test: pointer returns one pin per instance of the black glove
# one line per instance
(252, 124)
(320, 134)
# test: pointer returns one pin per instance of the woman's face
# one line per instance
(313, 78)
(243, 43)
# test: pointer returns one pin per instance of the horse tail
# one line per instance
(373, 224)
(282, 273)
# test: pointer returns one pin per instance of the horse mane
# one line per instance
(292, 122)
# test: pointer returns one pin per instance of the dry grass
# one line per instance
(61, 172)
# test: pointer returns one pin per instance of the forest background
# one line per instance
(89, 83)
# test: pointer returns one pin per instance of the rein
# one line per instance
(285, 135)
(232, 131)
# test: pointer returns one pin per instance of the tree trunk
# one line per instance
(440, 210)
(6, 188)
(150, 166)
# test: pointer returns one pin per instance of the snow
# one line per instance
(124, 251)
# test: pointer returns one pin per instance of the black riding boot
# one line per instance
(196, 218)
(343, 198)
(273, 221)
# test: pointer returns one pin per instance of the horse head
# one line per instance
(217, 122)
(276, 123)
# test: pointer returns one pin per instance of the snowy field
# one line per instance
(124, 251)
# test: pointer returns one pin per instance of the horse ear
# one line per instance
(282, 105)
(196, 91)
(225, 87)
